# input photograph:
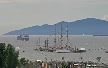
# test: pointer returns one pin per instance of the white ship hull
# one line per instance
(63, 51)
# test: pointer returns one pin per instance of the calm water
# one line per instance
(89, 42)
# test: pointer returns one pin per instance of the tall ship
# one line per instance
(23, 37)
(61, 48)
(67, 48)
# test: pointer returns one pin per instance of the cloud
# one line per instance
(105, 17)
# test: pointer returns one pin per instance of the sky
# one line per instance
(18, 14)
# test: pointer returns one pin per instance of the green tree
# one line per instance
(8, 56)
(23, 61)
(2, 56)
(11, 57)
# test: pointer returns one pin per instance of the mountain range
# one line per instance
(88, 26)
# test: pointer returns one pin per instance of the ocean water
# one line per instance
(95, 47)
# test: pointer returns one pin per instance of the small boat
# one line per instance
(106, 51)
(23, 37)
(82, 50)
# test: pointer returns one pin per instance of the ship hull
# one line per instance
(63, 51)
(23, 37)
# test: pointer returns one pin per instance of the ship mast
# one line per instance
(58, 39)
(55, 35)
(61, 35)
(67, 35)
(39, 42)
(47, 43)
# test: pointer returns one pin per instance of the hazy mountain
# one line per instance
(89, 26)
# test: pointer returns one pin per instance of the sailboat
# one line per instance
(86, 43)
(37, 44)
(62, 49)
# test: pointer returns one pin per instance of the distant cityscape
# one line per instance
(88, 26)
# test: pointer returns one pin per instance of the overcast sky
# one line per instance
(18, 14)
